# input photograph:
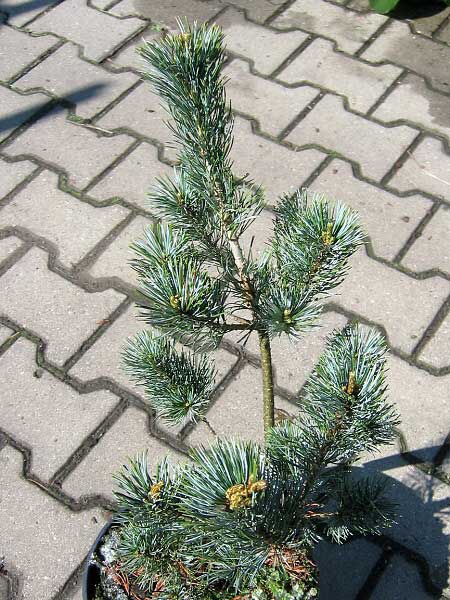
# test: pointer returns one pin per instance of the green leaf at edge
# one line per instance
(385, 6)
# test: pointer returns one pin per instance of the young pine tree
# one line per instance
(240, 519)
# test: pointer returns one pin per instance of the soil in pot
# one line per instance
(103, 579)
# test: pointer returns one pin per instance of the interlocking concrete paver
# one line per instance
(353, 136)
(422, 522)
(278, 169)
(422, 400)
(77, 22)
(387, 219)
(415, 52)
(104, 359)
(18, 50)
(310, 44)
(165, 14)
(115, 260)
(128, 437)
(61, 313)
(140, 111)
(333, 560)
(413, 100)
(432, 249)
(295, 359)
(19, 13)
(428, 25)
(271, 104)
(426, 169)
(133, 177)
(348, 29)
(50, 418)
(128, 56)
(18, 108)
(73, 226)
(238, 410)
(11, 174)
(444, 34)
(267, 48)
(5, 334)
(437, 351)
(66, 75)
(406, 579)
(8, 246)
(362, 84)
(258, 10)
(77, 150)
(403, 305)
(36, 529)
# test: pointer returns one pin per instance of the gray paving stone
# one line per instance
(20, 13)
(66, 75)
(437, 351)
(8, 246)
(362, 84)
(238, 410)
(68, 146)
(255, 239)
(400, 580)
(426, 169)
(165, 14)
(258, 10)
(128, 57)
(5, 334)
(355, 558)
(11, 174)
(115, 260)
(422, 400)
(271, 104)
(400, 46)
(77, 22)
(140, 111)
(353, 136)
(17, 109)
(73, 226)
(294, 360)
(19, 49)
(403, 305)
(348, 29)
(133, 177)
(414, 101)
(387, 219)
(428, 25)
(62, 314)
(127, 438)
(4, 588)
(444, 34)
(279, 169)
(43, 413)
(432, 249)
(103, 359)
(267, 48)
(48, 525)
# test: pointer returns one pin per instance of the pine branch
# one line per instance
(178, 385)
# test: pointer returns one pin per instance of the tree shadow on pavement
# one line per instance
(11, 121)
(409, 562)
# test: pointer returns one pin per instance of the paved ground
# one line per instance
(327, 95)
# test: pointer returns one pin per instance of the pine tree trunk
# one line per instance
(267, 373)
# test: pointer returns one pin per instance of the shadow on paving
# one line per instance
(19, 9)
(42, 111)
(390, 567)
(417, 9)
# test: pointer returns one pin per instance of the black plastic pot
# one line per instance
(91, 574)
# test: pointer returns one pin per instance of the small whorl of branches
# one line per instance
(239, 521)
